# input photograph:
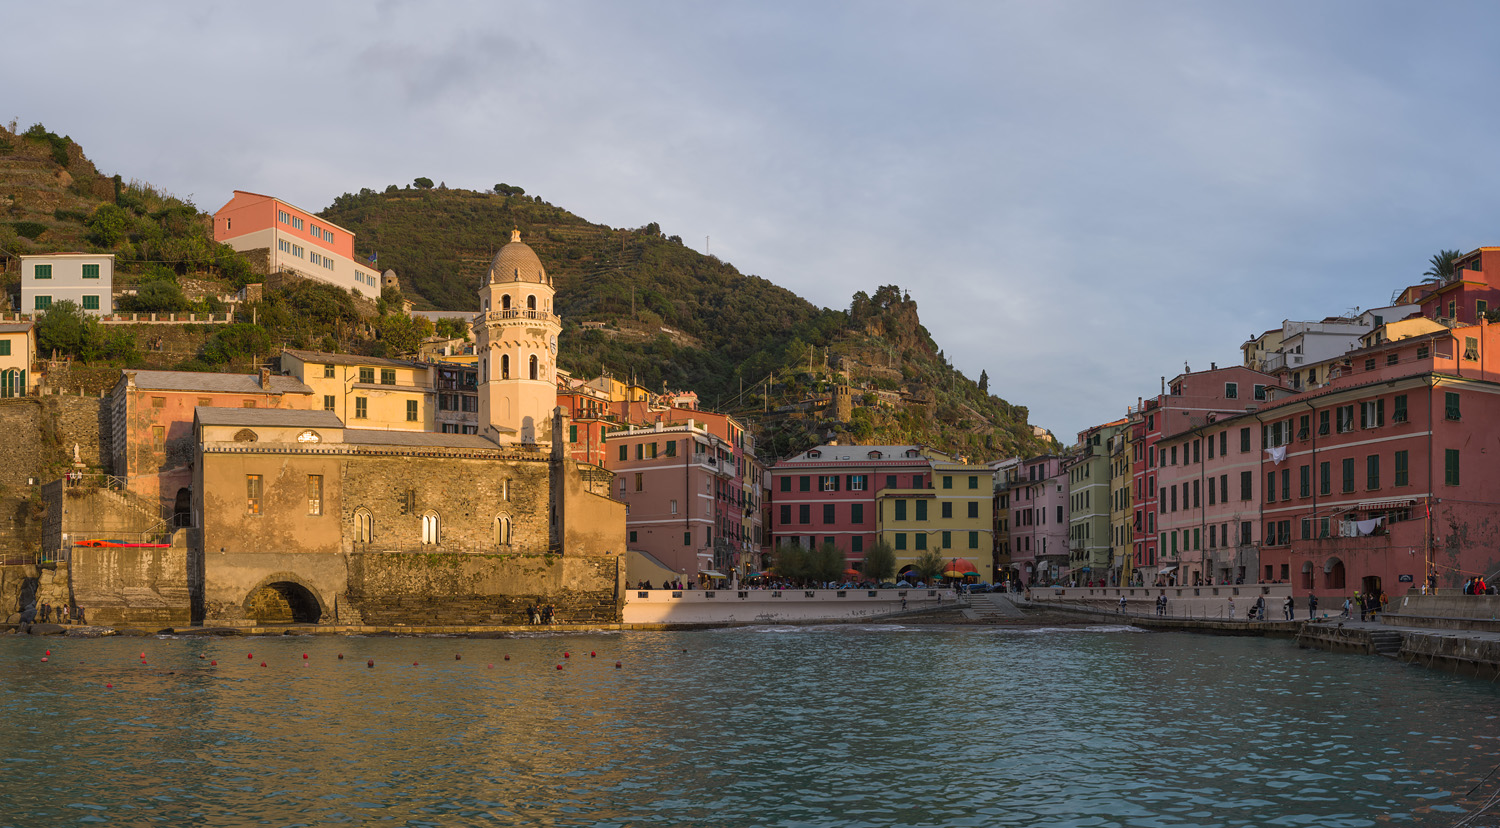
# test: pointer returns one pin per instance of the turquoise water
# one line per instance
(839, 726)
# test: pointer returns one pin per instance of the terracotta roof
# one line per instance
(517, 262)
(417, 439)
(287, 417)
(325, 358)
(215, 383)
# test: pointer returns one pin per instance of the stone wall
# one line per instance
(84, 422)
(458, 589)
(26, 457)
(132, 586)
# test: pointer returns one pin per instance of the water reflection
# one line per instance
(874, 725)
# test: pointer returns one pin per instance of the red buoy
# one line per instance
(213, 663)
(489, 666)
(109, 687)
(44, 658)
(143, 655)
(507, 657)
(559, 666)
(457, 657)
(413, 664)
(341, 656)
(49, 652)
(262, 664)
(565, 655)
(592, 653)
(617, 665)
(304, 655)
(252, 655)
(370, 663)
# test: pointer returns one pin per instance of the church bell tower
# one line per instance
(516, 337)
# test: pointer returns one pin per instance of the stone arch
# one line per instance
(1333, 574)
(505, 366)
(182, 508)
(13, 383)
(535, 367)
(1307, 575)
(364, 525)
(505, 302)
(432, 529)
(504, 531)
(245, 435)
(284, 598)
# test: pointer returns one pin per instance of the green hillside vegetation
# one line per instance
(642, 306)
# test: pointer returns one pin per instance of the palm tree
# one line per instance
(1440, 267)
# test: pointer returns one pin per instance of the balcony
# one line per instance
(522, 314)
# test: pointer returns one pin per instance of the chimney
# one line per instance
(265, 379)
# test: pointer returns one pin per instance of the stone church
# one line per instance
(299, 516)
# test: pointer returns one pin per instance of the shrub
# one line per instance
(28, 229)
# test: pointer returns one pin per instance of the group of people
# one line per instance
(544, 614)
(1477, 586)
(48, 614)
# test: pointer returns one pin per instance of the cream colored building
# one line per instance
(85, 279)
(367, 392)
(17, 351)
(516, 338)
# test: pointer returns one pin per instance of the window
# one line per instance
(91, 302)
(247, 404)
(857, 513)
(328, 371)
(1246, 484)
(41, 303)
(1398, 409)
(42, 271)
(640, 482)
(158, 402)
(828, 513)
(1345, 418)
(1304, 481)
(624, 455)
(947, 481)
(973, 540)
(505, 366)
(1372, 414)
(1231, 390)
(387, 376)
(1223, 488)
(786, 515)
(1401, 468)
(1270, 487)
(1450, 406)
(1471, 348)
(1245, 532)
(361, 408)
(1348, 474)
(1260, 392)
(1223, 443)
(1370, 364)
(1450, 466)
(804, 513)
(900, 540)
(921, 509)
(1325, 478)
(252, 494)
(158, 437)
(1244, 439)
(4, 347)
(857, 544)
(786, 482)
(573, 434)
(1481, 307)
(1392, 358)
(973, 508)
(91, 271)
(900, 510)
(1422, 352)
(411, 411)
(672, 507)
(367, 376)
(1372, 471)
(315, 494)
(973, 481)
(920, 540)
(671, 448)
(828, 482)
(804, 483)
(363, 524)
(947, 510)
(1323, 422)
(535, 370)
(432, 533)
(687, 538)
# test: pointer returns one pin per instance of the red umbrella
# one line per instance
(958, 568)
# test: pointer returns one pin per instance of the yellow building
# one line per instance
(953, 514)
(367, 392)
(17, 349)
(1121, 534)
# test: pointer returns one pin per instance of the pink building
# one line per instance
(1039, 521)
(828, 494)
(294, 239)
(1471, 293)
(1208, 502)
(1380, 479)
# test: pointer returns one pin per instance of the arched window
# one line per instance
(362, 526)
(531, 303)
(533, 367)
(505, 366)
(431, 529)
(502, 531)
(505, 302)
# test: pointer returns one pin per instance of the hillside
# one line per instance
(640, 304)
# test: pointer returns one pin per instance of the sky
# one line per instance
(1082, 197)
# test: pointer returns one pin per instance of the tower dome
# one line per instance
(517, 262)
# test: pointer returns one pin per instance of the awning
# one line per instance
(1166, 568)
(1385, 505)
(712, 574)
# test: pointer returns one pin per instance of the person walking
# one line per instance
(1346, 608)
(1231, 608)
(1286, 609)
(1312, 606)
(1122, 605)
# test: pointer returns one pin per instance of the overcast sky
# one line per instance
(1082, 197)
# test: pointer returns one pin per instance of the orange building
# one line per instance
(294, 240)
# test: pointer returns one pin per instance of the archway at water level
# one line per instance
(283, 602)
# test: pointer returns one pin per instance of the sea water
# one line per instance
(877, 725)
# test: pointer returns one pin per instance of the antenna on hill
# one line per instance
(706, 250)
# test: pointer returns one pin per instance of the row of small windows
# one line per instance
(533, 367)
(367, 375)
(919, 540)
(41, 303)
(361, 277)
(287, 247)
(44, 271)
(320, 260)
(858, 482)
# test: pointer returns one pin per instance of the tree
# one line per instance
(790, 561)
(984, 382)
(826, 563)
(423, 183)
(237, 341)
(930, 564)
(1440, 267)
(880, 562)
(109, 225)
(402, 334)
(64, 328)
(156, 296)
(452, 328)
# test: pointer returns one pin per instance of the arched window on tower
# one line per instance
(534, 367)
(502, 531)
(431, 529)
(363, 524)
(531, 303)
(505, 366)
(505, 302)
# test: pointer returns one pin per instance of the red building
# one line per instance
(828, 494)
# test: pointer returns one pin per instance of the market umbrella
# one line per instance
(958, 568)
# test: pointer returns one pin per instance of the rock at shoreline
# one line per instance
(46, 629)
(89, 632)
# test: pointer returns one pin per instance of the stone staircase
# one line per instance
(992, 606)
(1386, 643)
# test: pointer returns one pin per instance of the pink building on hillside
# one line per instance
(1039, 521)
(828, 494)
(1470, 294)
(294, 239)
